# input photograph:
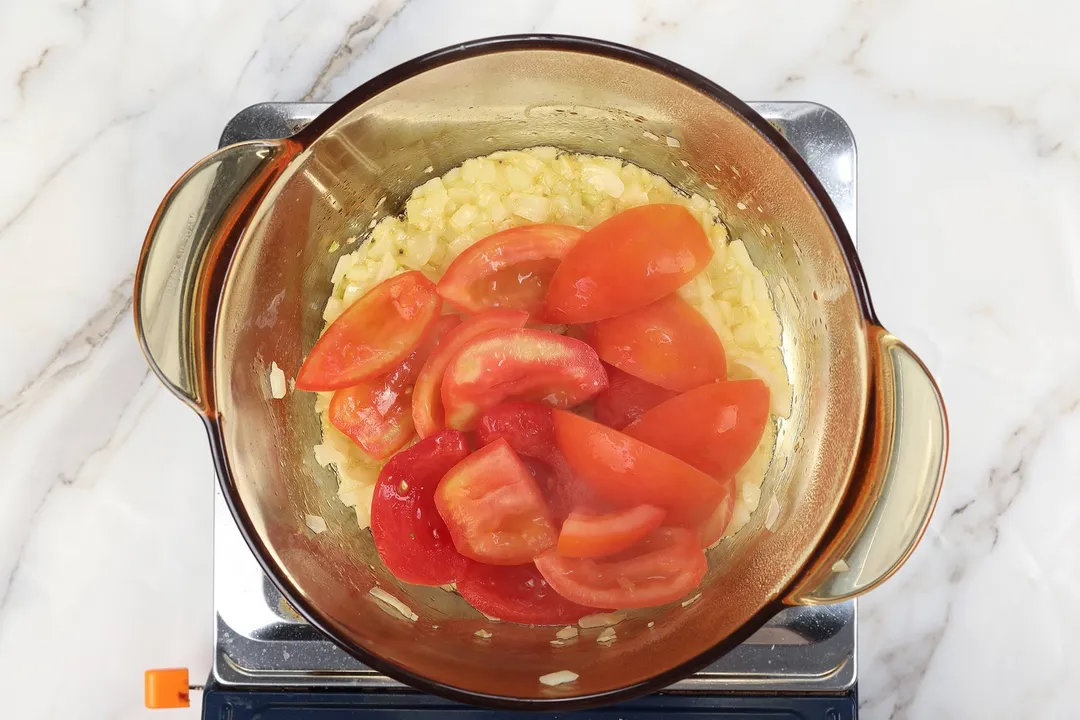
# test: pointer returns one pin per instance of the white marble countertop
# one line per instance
(968, 124)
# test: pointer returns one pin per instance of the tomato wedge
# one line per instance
(713, 528)
(626, 398)
(427, 407)
(517, 593)
(587, 536)
(377, 414)
(667, 343)
(410, 536)
(522, 364)
(373, 335)
(626, 472)
(663, 567)
(494, 509)
(510, 269)
(715, 428)
(530, 431)
(627, 262)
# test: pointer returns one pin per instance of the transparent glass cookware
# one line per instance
(234, 275)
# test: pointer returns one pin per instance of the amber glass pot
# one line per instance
(234, 275)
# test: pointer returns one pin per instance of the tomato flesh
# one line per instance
(427, 407)
(522, 364)
(494, 509)
(625, 471)
(410, 535)
(667, 343)
(587, 536)
(377, 414)
(517, 593)
(373, 335)
(715, 428)
(626, 399)
(510, 269)
(659, 569)
(530, 431)
(627, 262)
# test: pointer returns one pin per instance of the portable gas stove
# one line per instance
(269, 663)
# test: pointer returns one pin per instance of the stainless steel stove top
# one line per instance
(261, 642)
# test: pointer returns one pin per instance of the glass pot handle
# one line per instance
(896, 482)
(186, 251)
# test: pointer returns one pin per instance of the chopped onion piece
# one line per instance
(558, 678)
(772, 513)
(651, 623)
(315, 523)
(325, 454)
(607, 635)
(567, 632)
(840, 566)
(482, 634)
(404, 610)
(691, 601)
(277, 381)
(601, 620)
(672, 142)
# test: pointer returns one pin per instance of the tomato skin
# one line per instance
(530, 431)
(377, 414)
(427, 407)
(626, 399)
(627, 262)
(667, 343)
(510, 269)
(625, 471)
(521, 364)
(713, 528)
(494, 509)
(410, 535)
(373, 335)
(585, 535)
(517, 593)
(715, 428)
(659, 569)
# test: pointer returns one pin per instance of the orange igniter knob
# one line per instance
(167, 688)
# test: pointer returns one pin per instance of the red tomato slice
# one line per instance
(377, 414)
(626, 398)
(586, 536)
(667, 343)
(494, 509)
(409, 533)
(715, 428)
(530, 431)
(627, 472)
(517, 593)
(713, 528)
(373, 335)
(524, 364)
(427, 407)
(510, 269)
(663, 567)
(627, 262)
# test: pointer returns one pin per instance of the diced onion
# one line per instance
(567, 632)
(315, 523)
(277, 381)
(691, 601)
(601, 620)
(840, 566)
(482, 634)
(404, 610)
(607, 635)
(560, 677)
